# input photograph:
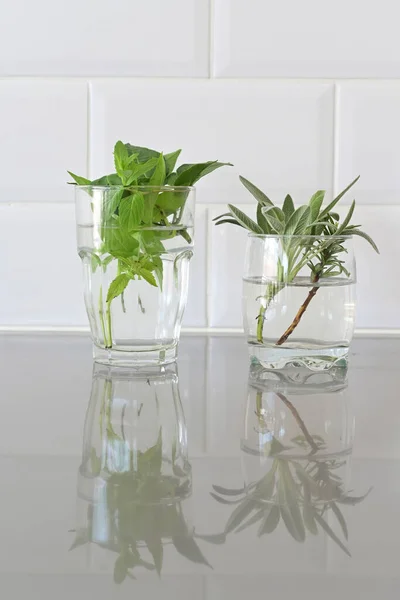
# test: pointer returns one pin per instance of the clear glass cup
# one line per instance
(135, 245)
(135, 478)
(298, 303)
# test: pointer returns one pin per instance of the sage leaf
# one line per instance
(339, 515)
(257, 193)
(244, 220)
(276, 225)
(254, 519)
(331, 533)
(297, 217)
(228, 491)
(288, 207)
(187, 546)
(240, 513)
(271, 521)
(315, 204)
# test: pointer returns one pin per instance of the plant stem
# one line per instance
(272, 290)
(299, 314)
(299, 421)
(108, 343)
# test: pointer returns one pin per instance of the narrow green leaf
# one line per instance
(254, 519)
(158, 176)
(120, 570)
(339, 515)
(79, 180)
(244, 220)
(117, 286)
(170, 161)
(256, 192)
(301, 215)
(331, 533)
(228, 491)
(288, 207)
(187, 546)
(240, 513)
(230, 221)
(347, 219)
(216, 538)
(275, 224)
(261, 220)
(223, 500)
(353, 500)
(365, 236)
(315, 204)
(328, 208)
(270, 523)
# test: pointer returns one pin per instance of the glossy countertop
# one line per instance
(55, 539)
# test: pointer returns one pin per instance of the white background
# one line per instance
(298, 95)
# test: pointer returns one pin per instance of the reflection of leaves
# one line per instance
(186, 545)
(299, 493)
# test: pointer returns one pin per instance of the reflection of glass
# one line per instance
(135, 477)
(296, 455)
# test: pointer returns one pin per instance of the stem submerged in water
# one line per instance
(299, 314)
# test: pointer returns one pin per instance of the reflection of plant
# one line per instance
(301, 495)
(136, 506)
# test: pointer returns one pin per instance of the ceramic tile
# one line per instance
(42, 275)
(367, 140)
(262, 38)
(43, 128)
(279, 135)
(152, 38)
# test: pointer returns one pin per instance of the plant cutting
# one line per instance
(135, 238)
(298, 299)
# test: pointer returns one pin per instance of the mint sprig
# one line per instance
(135, 219)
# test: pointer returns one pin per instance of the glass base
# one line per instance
(135, 358)
(317, 359)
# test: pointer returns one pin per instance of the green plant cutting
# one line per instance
(323, 254)
(144, 208)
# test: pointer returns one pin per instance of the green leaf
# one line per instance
(117, 286)
(230, 221)
(244, 220)
(365, 236)
(120, 570)
(121, 158)
(148, 276)
(228, 491)
(131, 211)
(79, 180)
(158, 176)
(275, 224)
(339, 515)
(170, 161)
(315, 204)
(331, 534)
(261, 220)
(257, 193)
(215, 538)
(112, 203)
(144, 154)
(189, 174)
(328, 208)
(80, 540)
(347, 219)
(353, 500)
(187, 546)
(254, 519)
(298, 221)
(106, 180)
(288, 207)
(240, 513)
(271, 521)
(138, 170)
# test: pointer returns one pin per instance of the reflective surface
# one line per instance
(205, 481)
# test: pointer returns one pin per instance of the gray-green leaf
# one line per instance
(244, 220)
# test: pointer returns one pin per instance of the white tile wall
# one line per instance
(251, 82)
(368, 140)
(277, 134)
(119, 37)
(43, 132)
(263, 38)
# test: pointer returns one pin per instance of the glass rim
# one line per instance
(162, 188)
(300, 236)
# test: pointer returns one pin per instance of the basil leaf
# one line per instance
(131, 211)
(117, 286)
